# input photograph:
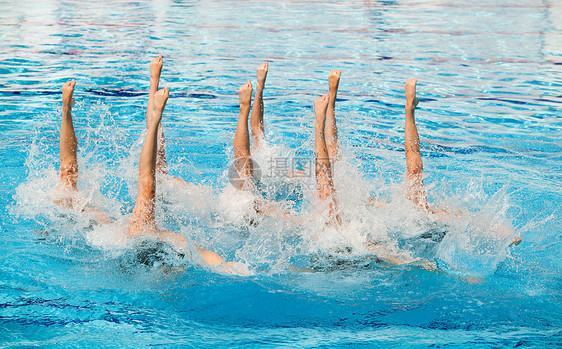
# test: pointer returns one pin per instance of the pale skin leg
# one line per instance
(324, 182)
(143, 219)
(331, 129)
(241, 144)
(161, 163)
(68, 144)
(68, 149)
(330, 126)
(256, 119)
(155, 70)
(414, 165)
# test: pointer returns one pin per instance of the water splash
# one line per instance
(293, 236)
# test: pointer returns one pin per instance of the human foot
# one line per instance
(245, 94)
(333, 82)
(262, 75)
(160, 99)
(156, 69)
(411, 99)
(67, 93)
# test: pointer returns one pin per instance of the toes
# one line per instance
(69, 84)
(412, 82)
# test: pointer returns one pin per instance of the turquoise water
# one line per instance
(489, 120)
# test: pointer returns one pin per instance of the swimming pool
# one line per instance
(489, 121)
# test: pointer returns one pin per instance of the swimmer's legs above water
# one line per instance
(68, 144)
(414, 165)
(324, 182)
(242, 156)
(331, 130)
(256, 118)
(241, 144)
(143, 217)
(155, 70)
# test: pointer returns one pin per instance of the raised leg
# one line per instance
(256, 119)
(68, 144)
(142, 219)
(331, 131)
(324, 182)
(414, 165)
(155, 70)
(242, 157)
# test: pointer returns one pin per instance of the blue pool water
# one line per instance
(490, 83)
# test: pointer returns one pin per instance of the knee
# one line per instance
(241, 153)
(244, 167)
(324, 190)
(69, 173)
(415, 168)
(147, 183)
(415, 173)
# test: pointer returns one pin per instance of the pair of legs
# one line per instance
(68, 143)
(152, 160)
(327, 150)
(326, 144)
(241, 144)
(142, 219)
